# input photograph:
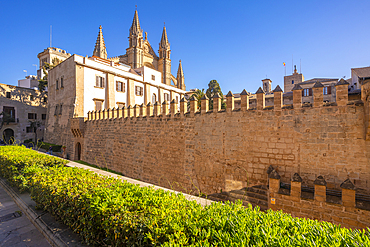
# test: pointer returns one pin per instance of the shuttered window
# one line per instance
(327, 90)
(139, 91)
(100, 81)
(307, 92)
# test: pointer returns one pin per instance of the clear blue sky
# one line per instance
(238, 43)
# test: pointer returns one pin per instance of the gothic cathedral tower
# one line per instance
(164, 63)
(135, 52)
(100, 50)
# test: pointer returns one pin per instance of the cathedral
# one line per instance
(140, 53)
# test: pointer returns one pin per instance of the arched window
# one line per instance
(154, 98)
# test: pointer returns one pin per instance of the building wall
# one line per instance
(229, 150)
(22, 103)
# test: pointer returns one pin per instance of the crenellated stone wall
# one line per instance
(344, 206)
(209, 151)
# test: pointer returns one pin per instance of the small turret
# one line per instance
(164, 63)
(164, 46)
(180, 77)
(135, 50)
(100, 50)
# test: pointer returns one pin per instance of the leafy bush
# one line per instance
(18, 164)
(106, 211)
(28, 141)
(46, 146)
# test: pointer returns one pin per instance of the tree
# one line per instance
(47, 66)
(5, 118)
(34, 125)
(198, 94)
(213, 89)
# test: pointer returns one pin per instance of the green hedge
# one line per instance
(46, 146)
(18, 164)
(106, 211)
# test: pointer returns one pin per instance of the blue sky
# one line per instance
(238, 43)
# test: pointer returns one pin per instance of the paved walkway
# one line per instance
(15, 228)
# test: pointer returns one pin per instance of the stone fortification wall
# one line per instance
(229, 149)
(344, 206)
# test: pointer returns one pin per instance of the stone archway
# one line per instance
(78, 151)
(8, 136)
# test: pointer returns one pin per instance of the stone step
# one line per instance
(262, 191)
(239, 193)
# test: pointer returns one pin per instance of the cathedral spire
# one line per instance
(135, 28)
(164, 41)
(100, 50)
(180, 77)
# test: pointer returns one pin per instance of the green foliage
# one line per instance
(108, 212)
(213, 89)
(198, 94)
(43, 83)
(101, 168)
(46, 146)
(5, 119)
(18, 164)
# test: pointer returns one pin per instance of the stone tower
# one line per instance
(266, 85)
(291, 80)
(100, 50)
(180, 77)
(135, 52)
(164, 63)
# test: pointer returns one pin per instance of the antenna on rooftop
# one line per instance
(292, 63)
(300, 66)
(50, 34)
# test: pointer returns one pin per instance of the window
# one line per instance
(57, 84)
(60, 109)
(327, 90)
(139, 91)
(56, 110)
(100, 82)
(120, 105)
(31, 97)
(8, 95)
(98, 105)
(177, 99)
(120, 86)
(43, 116)
(10, 112)
(292, 81)
(307, 92)
(166, 97)
(29, 129)
(153, 77)
(61, 82)
(32, 116)
(43, 61)
(154, 98)
(45, 99)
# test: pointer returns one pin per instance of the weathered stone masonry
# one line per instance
(223, 150)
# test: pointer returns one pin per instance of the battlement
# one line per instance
(162, 110)
(187, 148)
(344, 206)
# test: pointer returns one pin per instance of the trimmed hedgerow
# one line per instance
(106, 211)
(17, 164)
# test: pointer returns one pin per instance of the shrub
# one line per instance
(17, 164)
(46, 146)
(106, 211)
